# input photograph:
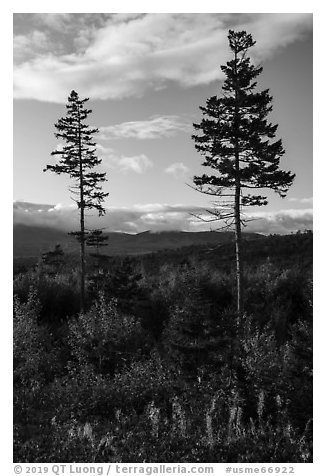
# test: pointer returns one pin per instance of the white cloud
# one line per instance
(302, 200)
(282, 221)
(56, 216)
(104, 151)
(154, 128)
(111, 160)
(178, 170)
(126, 56)
(156, 217)
(137, 163)
(134, 219)
(29, 207)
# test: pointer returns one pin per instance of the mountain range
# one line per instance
(32, 241)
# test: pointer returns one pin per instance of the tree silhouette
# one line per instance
(96, 239)
(78, 158)
(236, 143)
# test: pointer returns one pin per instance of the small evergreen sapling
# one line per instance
(53, 259)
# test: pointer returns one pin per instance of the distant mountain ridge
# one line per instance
(32, 241)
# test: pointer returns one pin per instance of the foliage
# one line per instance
(166, 383)
(78, 159)
(27, 342)
(236, 142)
(236, 136)
(53, 259)
(105, 338)
(58, 294)
(199, 337)
(124, 286)
(78, 155)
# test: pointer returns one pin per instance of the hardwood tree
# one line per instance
(236, 142)
(78, 159)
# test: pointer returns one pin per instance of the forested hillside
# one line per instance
(31, 241)
(155, 369)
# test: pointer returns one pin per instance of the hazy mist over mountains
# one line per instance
(139, 218)
(34, 240)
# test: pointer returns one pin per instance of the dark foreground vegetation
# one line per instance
(153, 371)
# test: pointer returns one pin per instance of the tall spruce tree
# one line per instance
(236, 143)
(78, 159)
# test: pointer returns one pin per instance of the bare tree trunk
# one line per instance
(82, 255)
(82, 227)
(237, 209)
(238, 254)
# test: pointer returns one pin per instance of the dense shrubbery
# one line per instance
(58, 294)
(152, 371)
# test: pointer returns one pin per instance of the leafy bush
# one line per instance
(158, 370)
(58, 295)
(105, 338)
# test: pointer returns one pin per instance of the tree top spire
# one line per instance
(240, 41)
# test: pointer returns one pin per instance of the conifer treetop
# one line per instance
(78, 154)
(236, 124)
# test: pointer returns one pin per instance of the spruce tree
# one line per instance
(53, 259)
(78, 159)
(236, 142)
(198, 334)
(96, 239)
(124, 285)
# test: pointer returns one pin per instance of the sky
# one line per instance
(146, 76)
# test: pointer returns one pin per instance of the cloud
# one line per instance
(178, 170)
(111, 160)
(302, 200)
(154, 128)
(138, 163)
(134, 219)
(56, 21)
(67, 32)
(56, 216)
(30, 207)
(118, 56)
(281, 222)
(155, 217)
(30, 45)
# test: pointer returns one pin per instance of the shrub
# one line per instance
(58, 295)
(106, 339)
